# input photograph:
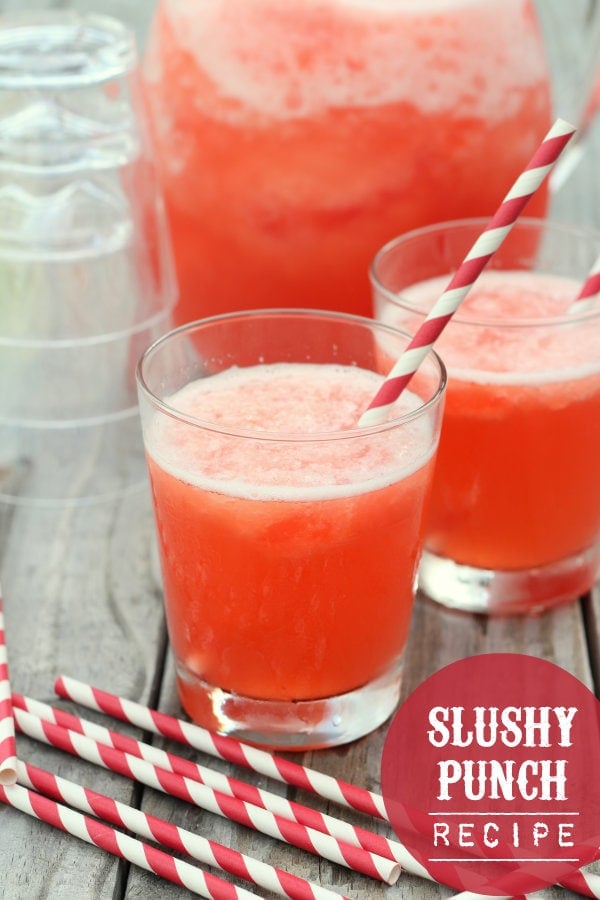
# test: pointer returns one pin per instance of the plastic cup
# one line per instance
(86, 279)
(289, 542)
(514, 522)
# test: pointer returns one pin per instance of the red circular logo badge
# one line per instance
(491, 774)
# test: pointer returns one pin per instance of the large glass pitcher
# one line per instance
(297, 136)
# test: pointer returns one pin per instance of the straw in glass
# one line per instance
(308, 839)
(468, 271)
(8, 748)
(172, 836)
(222, 747)
(121, 845)
(589, 293)
(288, 809)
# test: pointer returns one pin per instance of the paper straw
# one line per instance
(8, 748)
(175, 838)
(121, 845)
(227, 748)
(580, 882)
(200, 739)
(585, 883)
(589, 294)
(468, 271)
(288, 809)
(341, 830)
(213, 801)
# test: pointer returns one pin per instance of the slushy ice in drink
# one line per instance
(289, 539)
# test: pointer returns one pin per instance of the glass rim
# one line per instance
(282, 436)
(91, 340)
(99, 48)
(479, 223)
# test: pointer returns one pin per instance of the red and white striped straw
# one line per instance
(288, 809)
(8, 747)
(343, 831)
(308, 839)
(263, 763)
(222, 747)
(589, 294)
(172, 836)
(585, 883)
(468, 271)
(121, 845)
(183, 732)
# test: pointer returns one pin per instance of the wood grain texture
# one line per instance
(82, 596)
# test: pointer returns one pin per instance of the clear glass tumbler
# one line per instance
(289, 537)
(514, 523)
(86, 277)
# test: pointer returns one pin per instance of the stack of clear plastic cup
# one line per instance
(86, 278)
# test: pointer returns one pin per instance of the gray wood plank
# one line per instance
(80, 596)
(592, 614)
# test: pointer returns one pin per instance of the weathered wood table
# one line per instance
(83, 597)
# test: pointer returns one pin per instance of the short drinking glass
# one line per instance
(514, 522)
(289, 537)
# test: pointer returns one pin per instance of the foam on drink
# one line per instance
(294, 59)
(535, 348)
(298, 401)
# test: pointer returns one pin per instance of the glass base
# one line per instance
(504, 593)
(289, 724)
